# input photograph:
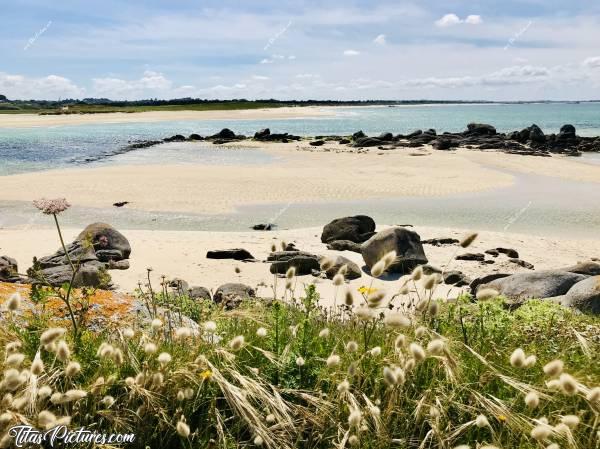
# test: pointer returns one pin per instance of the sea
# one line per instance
(534, 204)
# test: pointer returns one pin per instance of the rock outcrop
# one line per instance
(357, 229)
(406, 244)
(231, 295)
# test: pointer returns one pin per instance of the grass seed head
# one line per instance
(568, 384)
(261, 332)
(468, 240)
(237, 342)
(554, 368)
(532, 399)
(14, 302)
(333, 360)
(50, 335)
(517, 358)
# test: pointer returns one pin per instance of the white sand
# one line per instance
(35, 120)
(183, 254)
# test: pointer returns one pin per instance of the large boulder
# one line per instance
(406, 243)
(231, 295)
(587, 268)
(357, 229)
(536, 135)
(353, 271)
(235, 254)
(104, 237)
(80, 252)
(199, 293)
(584, 296)
(368, 142)
(537, 284)
(480, 129)
(225, 133)
(9, 271)
(88, 275)
(304, 263)
(344, 245)
(567, 132)
(262, 134)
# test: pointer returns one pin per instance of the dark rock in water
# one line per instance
(386, 137)
(317, 143)
(456, 278)
(353, 271)
(567, 132)
(357, 229)
(406, 243)
(9, 271)
(225, 133)
(120, 203)
(537, 284)
(522, 263)
(344, 245)
(471, 256)
(358, 135)
(263, 133)
(236, 254)
(587, 268)
(512, 253)
(263, 227)
(179, 286)
(196, 137)
(492, 252)
(440, 241)
(367, 142)
(480, 129)
(199, 293)
(584, 296)
(175, 138)
(231, 295)
(104, 237)
(303, 262)
(474, 285)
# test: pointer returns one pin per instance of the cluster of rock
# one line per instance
(97, 249)
(530, 140)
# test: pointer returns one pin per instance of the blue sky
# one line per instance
(342, 49)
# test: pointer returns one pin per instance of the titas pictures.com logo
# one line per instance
(25, 436)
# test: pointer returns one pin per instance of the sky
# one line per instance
(326, 49)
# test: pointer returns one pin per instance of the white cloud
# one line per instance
(50, 87)
(380, 40)
(452, 19)
(306, 75)
(448, 20)
(266, 61)
(291, 57)
(592, 62)
(260, 78)
(473, 19)
(150, 84)
(351, 53)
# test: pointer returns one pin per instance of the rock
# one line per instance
(537, 284)
(120, 203)
(509, 252)
(199, 293)
(88, 275)
(9, 271)
(344, 245)
(430, 269)
(414, 134)
(480, 129)
(262, 134)
(386, 137)
(471, 256)
(567, 132)
(492, 252)
(235, 254)
(443, 144)
(104, 237)
(79, 253)
(118, 265)
(584, 296)
(279, 256)
(263, 227)
(344, 141)
(474, 285)
(353, 270)
(175, 138)
(587, 268)
(232, 294)
(358, 135)
(441, 241)
(406, 243)
(522, 263)
(536, 135)
(108, 255)
(367, 142)
(179, 286)
(317, 143)
(225, 133)
(356, 229)
(303, 264)
(195, 137)
(456, 278)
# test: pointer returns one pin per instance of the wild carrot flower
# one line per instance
(237, 342)
(517, 358)
(14, 302)
(333, 360)
(554, 368)
(53, 206)
(532, 399)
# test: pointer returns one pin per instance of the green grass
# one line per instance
(234, 391)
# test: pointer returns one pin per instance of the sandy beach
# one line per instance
(35, 120)
(179, 254)
(298, 173)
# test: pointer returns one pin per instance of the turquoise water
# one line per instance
(27, 149)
